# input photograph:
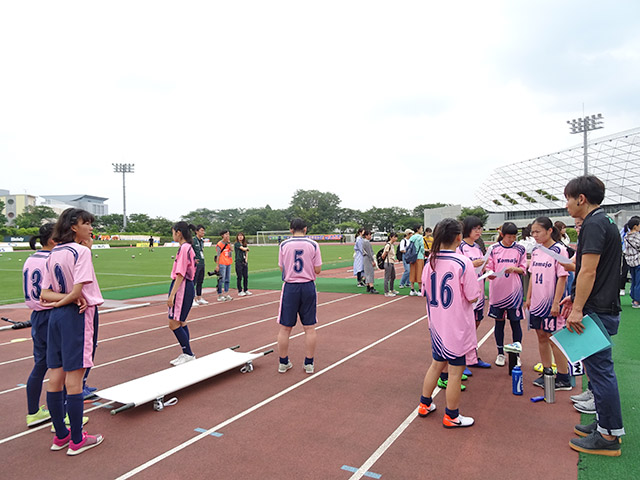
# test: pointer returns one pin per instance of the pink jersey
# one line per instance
(474, 252)
(449, 289)
(70, 264)
(185, 263)
(32, 275)
(297, 258)
(506, 291)
(545, 272)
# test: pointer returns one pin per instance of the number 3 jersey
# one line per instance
(70, 264)
(33, 272)
(545, 272)
(449, 289)
(506, 291)
(298, 257)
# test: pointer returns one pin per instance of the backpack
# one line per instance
(410, 253)
(399, 253)
(379, 259)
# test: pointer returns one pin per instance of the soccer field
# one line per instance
(134, 272)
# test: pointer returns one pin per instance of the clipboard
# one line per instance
(577, 347)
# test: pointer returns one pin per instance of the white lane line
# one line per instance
(366, 466)
(261, 404)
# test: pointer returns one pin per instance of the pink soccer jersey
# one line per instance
(70, 264)
(449, 290)
(473, 252)
(545, 272)
(33, 274)
(185, 262)
(297, 257)
(506, 291)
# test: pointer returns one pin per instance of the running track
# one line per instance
(354, 418)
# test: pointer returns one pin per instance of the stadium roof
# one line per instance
(538, 183)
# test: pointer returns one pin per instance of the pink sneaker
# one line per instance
(60, 443)
(88, 441)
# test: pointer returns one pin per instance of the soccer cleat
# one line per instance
(459, 421)
(183, 358)
(538, 368)
(308, 367)
(467, 373)
(283, 367)
(562, 385)
(423, 410)
(595, 444)
(202, 301)
(500, 360)
(241, 294)
(67, 423)
(582, 397)
(41, 416)
(588, 406)
(60, 443)
(443, 385)
(88, 441)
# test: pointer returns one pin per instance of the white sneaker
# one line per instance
(395, 292)
(582, 397)
(390, 294)
(185, 358)
(282, 367)
(202, 301)
(500, 360)
(241, 294)
(248, 293)
(195, 304)
(176, 360)
(588, 407)
(308, 368)
(457, 422)
(413, 293)
(228, 298)
(222, 298)
(622, 292)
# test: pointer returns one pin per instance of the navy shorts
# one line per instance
(513, 314)
(458, 361)
(546, 324)
(298, 299)
(479, 314)
(183, 300)
(39, 331)
(70, 339)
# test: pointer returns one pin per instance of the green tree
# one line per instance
(314, 207)
(111, 223)
(348, 227)
(479, 212)
(161, 226)
(3, 218)
(418, 212)
(139, 223)
(35, 216)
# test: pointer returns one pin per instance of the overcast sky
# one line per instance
(238, 104)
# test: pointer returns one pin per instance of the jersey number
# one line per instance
(538, 278)
(446, 292)
(57, 270)
(298, 264)
(36, 278)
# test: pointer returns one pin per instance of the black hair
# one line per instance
(469, 223)
(445, 233)
(199, 226)
(391, 235)
(416, 227)
(633, 221)
(62, 232)
(428, 230)
(509, 228)
(526, 231)
(560, 225)
(222, 232)
(185, 229)
(244, 238)
(366, 232)
(359, 231)
(545, 222)
(588, 185)
(44, 234)
(297, 224)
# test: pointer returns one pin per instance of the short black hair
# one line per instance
(222, 232)
(469, 223)
(428, 230)
(588, 185)
(297, 224)
(509, 228)
(199, 226)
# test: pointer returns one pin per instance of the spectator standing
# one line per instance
(198, 250)
(242, 264)
(428, 241)
(224, 258)
(369, 261)
(358, 264)
(632, 256)
(415, 272)
(404, 280)
(389, 256)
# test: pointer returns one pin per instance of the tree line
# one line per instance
(321, 211)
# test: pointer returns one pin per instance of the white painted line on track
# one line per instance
(366, 466)
(261, 404)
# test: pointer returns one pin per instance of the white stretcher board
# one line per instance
(156, 385)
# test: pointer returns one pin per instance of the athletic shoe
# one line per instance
(228, 298)
(584, 430)
(423, 410)
(538, 368)
(283, 367)
(443, 385)
(67, 423)
(89, 389)
(88, 441)
(308, 367)
(582, 397)
(586, 407)
(60, 443)
(560, 385)
(413, 293)
(403, 286)
(389, 294)
(202, 301)
(459, 421)
(88, 393)
(467, 373)
(635, 305)
(373, 291)
(395, 292)
(360, 285)
(515, 347)
(539, 382)
(247, 292)
(622, 292)
(481, 364)
(41, 416)
(596, 444)
(175, 360)
(184, 358)
(241, 294)
(195, 304)
(221, 298)
(500, 360)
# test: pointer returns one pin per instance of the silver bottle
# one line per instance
(549, 386)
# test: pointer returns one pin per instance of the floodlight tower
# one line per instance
(584, 125)
(124, 168)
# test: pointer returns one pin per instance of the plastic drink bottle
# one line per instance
(516, 380)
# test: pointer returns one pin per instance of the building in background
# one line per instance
(15, 204)
(90, 203)
(522, 191)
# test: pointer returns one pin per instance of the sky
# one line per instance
(239, 104)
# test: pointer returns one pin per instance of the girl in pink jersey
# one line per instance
(182, 291)
(73, 292)
(509, 260)
(546, 289)
(451, 287)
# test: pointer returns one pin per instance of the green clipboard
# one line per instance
(577, 347)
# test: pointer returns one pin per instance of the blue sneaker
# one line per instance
(90, 389)
(88, 394)
(481, 364)
(467, 372)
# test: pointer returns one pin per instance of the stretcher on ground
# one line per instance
(15, 325)
(155, 386)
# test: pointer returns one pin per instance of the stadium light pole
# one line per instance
(585, 125)
(124, 168)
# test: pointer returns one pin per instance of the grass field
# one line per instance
(135, 272)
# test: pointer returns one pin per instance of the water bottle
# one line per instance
(549, 386)
(516, 380)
